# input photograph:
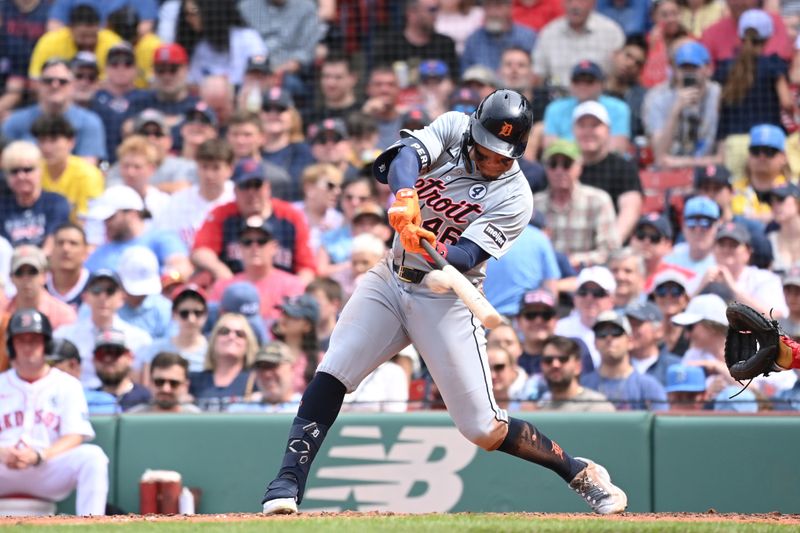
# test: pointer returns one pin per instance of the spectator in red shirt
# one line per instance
(258, 249)
(722, 39)
(216, 245)
(536, 13)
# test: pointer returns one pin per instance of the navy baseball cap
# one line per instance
(465, 100)
(256, 222)
(415, 119)
(303, 306)
(712, 173)
(336, 126)
(433, 68)
(203, 112)
(587, 68)
(62, 350)
(786, 190)
(104, 273)
(248, 169)
(658, 223)
(276, 97)
(692, 54)
(241, 297)
(645, 311)
(258, 63)
(768, 135)
(700, 206)
(735, 231)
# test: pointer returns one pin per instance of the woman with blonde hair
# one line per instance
(232, 347)
(322, 187)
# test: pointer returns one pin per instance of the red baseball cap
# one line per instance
(171, 54)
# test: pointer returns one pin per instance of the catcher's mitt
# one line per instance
(753, 341)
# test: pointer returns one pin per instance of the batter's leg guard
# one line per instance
(525, 441)
(285, 492)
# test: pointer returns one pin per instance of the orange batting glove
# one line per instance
(411, 236)
(405, 210)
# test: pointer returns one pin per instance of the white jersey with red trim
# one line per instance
(38, 414)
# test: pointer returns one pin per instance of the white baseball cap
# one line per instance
(703, 307)
(138, 271)
(593, 108)
(116, 198)
(600, 275)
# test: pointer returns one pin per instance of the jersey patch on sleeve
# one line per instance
(495, 234)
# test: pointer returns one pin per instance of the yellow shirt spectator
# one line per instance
(145, 51)
(79, 183)
(745, 200)
(59, 43)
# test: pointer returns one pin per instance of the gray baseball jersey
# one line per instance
(385, 314)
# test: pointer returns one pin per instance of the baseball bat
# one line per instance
(469, 294)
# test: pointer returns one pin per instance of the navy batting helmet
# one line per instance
(29, 321)
(502, 123)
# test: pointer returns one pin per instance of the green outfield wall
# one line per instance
(418, 462)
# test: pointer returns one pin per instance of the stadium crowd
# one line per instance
(187, 191)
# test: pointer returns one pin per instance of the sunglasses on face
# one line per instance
(768, 151)
(247, 242)
(549, 360)
(654, 238)
(603, 333)
(108, 290)
(544, 315)
(250, 185)
(559, 162)
(595, 293)
(328, 139)
(86, 77)
(109, 353)
(20, 170)
(499, 367)
(173, 383)
(167, 69)
(120, 62)
(184, 313)
(224, 330)
(669, 290)
(55, 82)
(699, 222)
(22, 272)
(152, 132)
(273, 109)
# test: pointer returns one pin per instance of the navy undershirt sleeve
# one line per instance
(465, 255)
(403, 170)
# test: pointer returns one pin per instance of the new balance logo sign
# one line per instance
(496, 235)
(415, 473)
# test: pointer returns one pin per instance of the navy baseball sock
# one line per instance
(321, 403)
(527, 442)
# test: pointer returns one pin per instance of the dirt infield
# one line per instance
(709, 516)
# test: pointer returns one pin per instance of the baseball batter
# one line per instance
(44, 421)
(457, 184)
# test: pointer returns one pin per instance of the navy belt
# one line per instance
(409, 275)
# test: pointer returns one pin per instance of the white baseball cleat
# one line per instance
(280, 506)
(594, 485)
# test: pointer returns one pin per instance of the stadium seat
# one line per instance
(663, 187)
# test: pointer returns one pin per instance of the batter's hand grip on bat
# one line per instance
(469, 294)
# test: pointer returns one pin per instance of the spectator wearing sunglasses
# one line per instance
(87, 75)
(701, 218)
(83, 33)
(581, 218)
(226, 374)
(112, 101)
(561, 370)
(785, 203)
(189, 314)
(113, 363)
(616, 377)
(56, 96)
(322, 188)
(258, 247)
(652, 240)
(169, 386)
(671, 295)
(103, 298)
(29, 215)
(766, 168)
(505, 373)
(648, 352)
(596, 286)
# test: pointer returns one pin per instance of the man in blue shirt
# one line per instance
(499, 31)
(145, 307)
(56, 97)
(587, 84)
(616, 378)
